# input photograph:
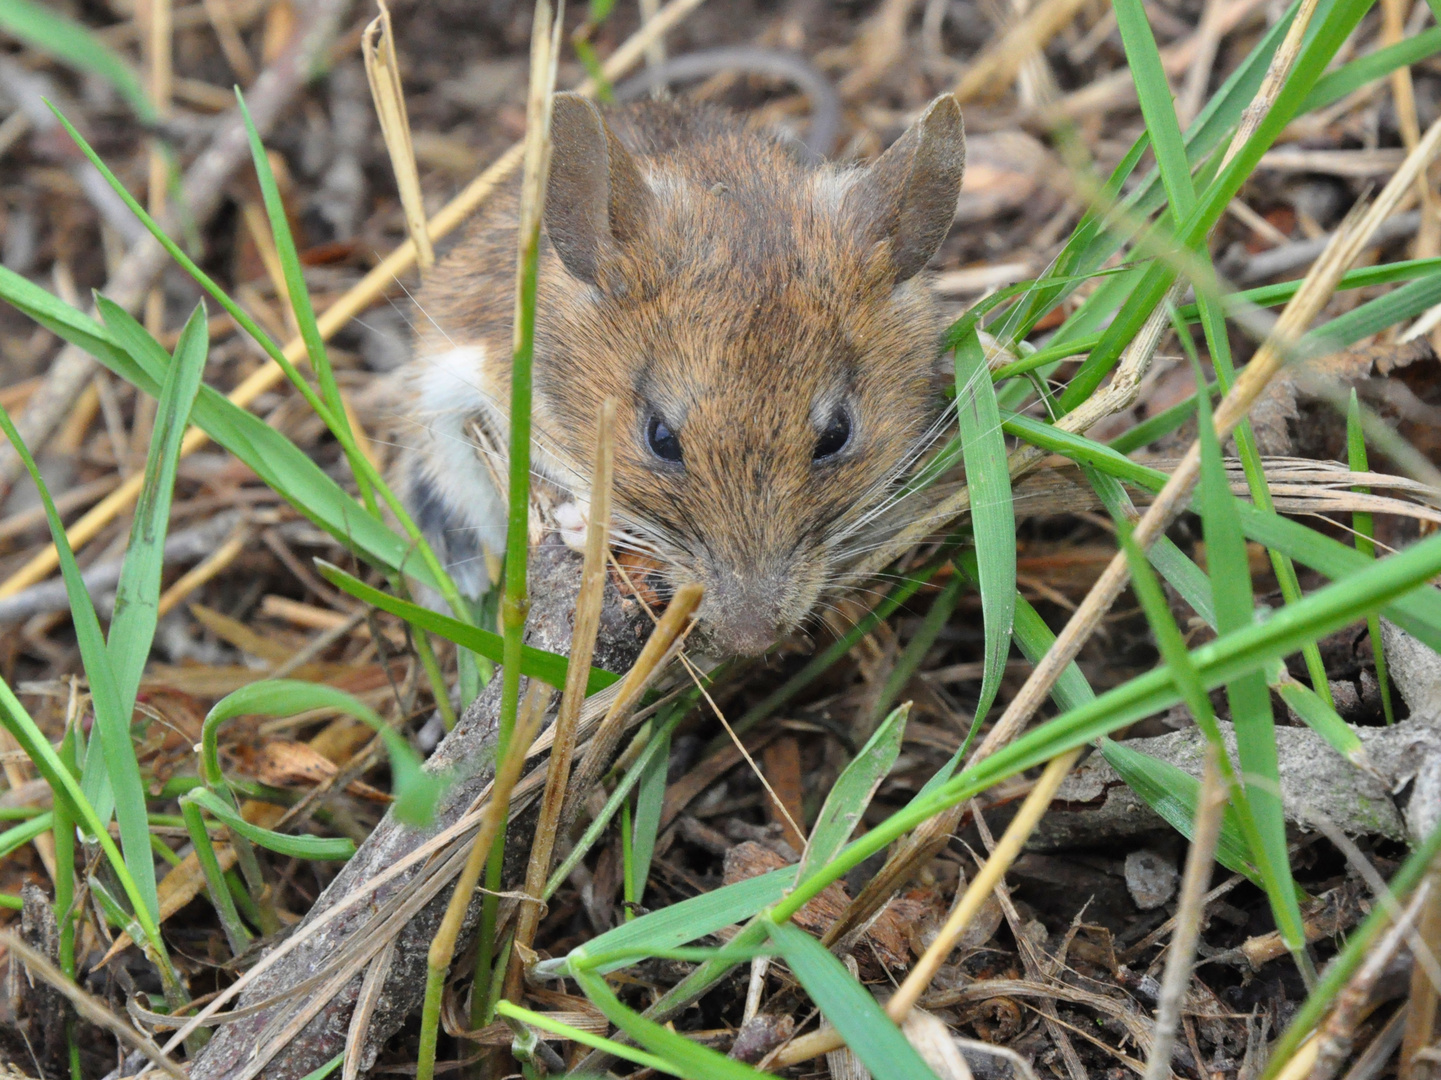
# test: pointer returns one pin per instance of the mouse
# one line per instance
(764, 321)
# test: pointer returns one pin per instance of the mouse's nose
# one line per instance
(745, 614)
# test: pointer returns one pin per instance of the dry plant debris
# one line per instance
(1061, 968)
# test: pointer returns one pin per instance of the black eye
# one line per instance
(835, 437)
(663, 442)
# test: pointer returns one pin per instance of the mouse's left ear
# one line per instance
(908, 196)
(597, 200)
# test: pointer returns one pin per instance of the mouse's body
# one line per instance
(762, 321)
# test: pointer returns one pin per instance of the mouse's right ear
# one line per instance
(597, 199)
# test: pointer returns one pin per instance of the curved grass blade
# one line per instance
(681, 1056)
(295, 847)
(993, 514)
(416, 790)
(868, 1031)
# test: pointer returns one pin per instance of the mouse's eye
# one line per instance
(835, 437)
(663, 442)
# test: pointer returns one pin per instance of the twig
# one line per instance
(1209, 804)
(182, 546)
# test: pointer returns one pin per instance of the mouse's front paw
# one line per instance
(572, 518)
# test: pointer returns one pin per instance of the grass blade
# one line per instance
(295, 847)
(137, 595)
(867, 1030)
(993, 514)
(112, 755)
(1249, 696)
(416, 790)
(51, 32)
(649, 798)
(852, 793)
(1173, 793)
(681, 1056)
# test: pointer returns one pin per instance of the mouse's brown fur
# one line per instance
(706, 275)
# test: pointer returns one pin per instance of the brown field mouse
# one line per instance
(763, 320)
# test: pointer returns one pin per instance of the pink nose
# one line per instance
(744, 615)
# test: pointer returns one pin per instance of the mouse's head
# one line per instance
(764, 326)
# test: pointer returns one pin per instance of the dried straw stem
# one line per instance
(1180, 959)
(563, 731)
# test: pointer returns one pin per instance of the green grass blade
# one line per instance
(681, 1056)
(113, 752)
(125, 349)
(584, 1038)
(868, 1031)
(1418, 613)
(649, 798)
(852, 792)
(295, 281)
(137, 595)
(49, 31)
(677, 924)
(1249, 696)
(993, 514)
(534, 663)
(416, 790)
(617, 800)
(1153, 89)
(1325, 37)
(1318, 715)
(916, 650)
(295, 847)
(1173, 794)
(1374, 65)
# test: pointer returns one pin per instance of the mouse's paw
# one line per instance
(573, 518)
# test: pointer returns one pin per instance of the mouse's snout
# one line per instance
(745, 613)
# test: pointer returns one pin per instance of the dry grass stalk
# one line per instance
(159, 62)
(1181, 958)
(976, 894)
(993, 71)
(382, 68)
(563, 731)
(356, 299)
(1421, 1019)
(664, 641)
(370, 991)
(1335, 1037)
(203, 571)
(442, 947)
(91, 1008)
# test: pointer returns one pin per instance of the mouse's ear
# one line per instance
(909, 195)
(597, 197)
